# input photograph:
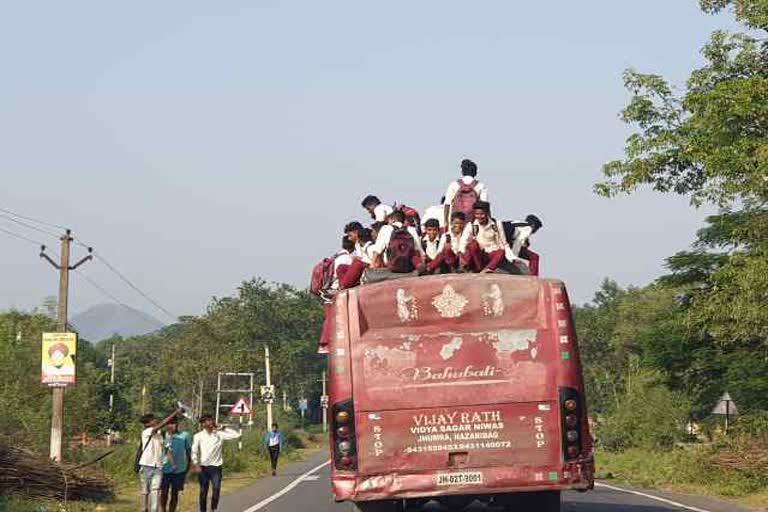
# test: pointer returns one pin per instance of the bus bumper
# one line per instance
(570, 476)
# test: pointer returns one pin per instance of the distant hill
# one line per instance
(105, 320)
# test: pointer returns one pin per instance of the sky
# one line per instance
(198, 144)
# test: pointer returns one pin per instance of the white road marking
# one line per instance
(651, 497)
(311, 478)
(266, 501)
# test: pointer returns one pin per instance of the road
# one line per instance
(304, 487)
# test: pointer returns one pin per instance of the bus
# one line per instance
(456, 388)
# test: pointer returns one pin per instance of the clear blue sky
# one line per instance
(197, 144)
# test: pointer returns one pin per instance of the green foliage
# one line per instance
(25, 402)
(694, 469)
(648, 415)
(173, 364)
(709, 143)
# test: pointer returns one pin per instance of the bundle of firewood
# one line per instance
(26, 475)
(751, 456)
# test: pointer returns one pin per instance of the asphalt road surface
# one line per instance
(304, 487)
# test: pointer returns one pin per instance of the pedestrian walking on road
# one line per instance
(208, 459)
(150, 458)
(273, 441)
(179, 444)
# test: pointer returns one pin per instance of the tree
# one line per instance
(710, 143)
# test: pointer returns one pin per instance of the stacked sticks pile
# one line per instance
(26, 475)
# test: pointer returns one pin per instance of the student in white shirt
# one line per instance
(361, 237)
(208, 459)
(447, 259)
(434, 212)
(519, 235)
(342, 259)
(462, 194)
(379, 211)
(380, 252)
(483, 243)
(150, 459)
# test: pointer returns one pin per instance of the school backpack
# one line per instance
(412, 217)
(510, 226)
(401, 251)
(465, 199)
(322, 278)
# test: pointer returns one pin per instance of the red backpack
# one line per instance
(401, 251)
(412, 217)
(465, 200)
(322, 277)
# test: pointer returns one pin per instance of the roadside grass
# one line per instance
(241, 468)
(690, 469)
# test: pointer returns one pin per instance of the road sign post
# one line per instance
(240, 409)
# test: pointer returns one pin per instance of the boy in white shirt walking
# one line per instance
(208, 459)
(150, 459)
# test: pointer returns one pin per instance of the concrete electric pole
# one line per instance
(57, 415)
(269, 386)
(112, 364)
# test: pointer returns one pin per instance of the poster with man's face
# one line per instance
(58, 361)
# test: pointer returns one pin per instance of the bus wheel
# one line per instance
(380, 506)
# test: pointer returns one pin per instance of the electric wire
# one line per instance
(30, 226)
(100, 288)
(22, 237)
(32, 219)
(9, 214)
(135, 288)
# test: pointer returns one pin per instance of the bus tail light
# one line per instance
(571, 413)
(344, 439)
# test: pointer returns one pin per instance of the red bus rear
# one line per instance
(455, 388)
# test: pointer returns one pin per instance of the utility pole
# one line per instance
(57, 413)
(269, 386)
(324, 405)
(111, 393)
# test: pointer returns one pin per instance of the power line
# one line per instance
(22, 237)
(100, 288)
(32, 219)
(30, 226)
(10, 216)
(127, 281)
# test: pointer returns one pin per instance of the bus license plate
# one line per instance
(460, 478)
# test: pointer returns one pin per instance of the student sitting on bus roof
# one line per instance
(519, 234)
(342, 260)
(462, 194)
(438, 248)
(397, 247)
(359, 235)
(434, 212)
(378, 210)
(483, 243)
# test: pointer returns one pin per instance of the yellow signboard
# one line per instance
(59, 350)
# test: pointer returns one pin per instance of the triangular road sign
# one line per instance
(240, 408)
(725, 406)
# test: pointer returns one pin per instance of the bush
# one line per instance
(647, 415)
